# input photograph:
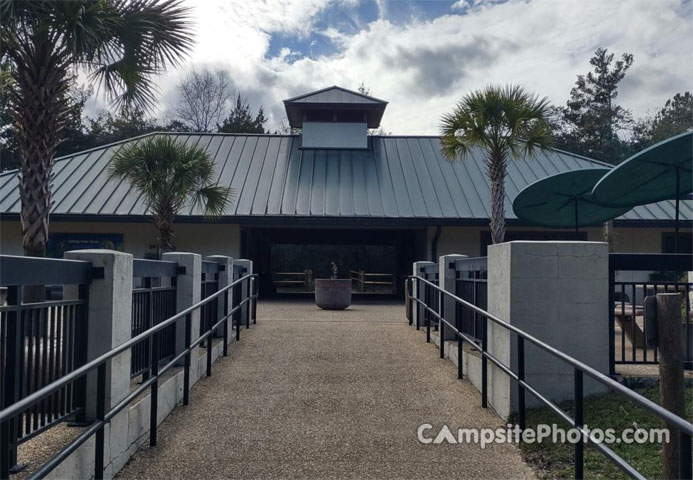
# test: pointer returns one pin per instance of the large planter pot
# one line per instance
(333, 294)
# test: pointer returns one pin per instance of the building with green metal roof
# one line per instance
(332, 185)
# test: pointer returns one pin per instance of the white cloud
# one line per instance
(422, 68)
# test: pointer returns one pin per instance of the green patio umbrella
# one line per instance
(663, 171)
(565, 200)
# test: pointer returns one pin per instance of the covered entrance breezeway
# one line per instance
(289, 259)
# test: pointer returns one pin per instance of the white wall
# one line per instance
(203, 238)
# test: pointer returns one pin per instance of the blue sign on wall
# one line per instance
(59, 243)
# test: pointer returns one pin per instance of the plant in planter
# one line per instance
(333, 293)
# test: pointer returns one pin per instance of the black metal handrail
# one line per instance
(153, 301)
(100, 363)
(40, 341)
(685, 428)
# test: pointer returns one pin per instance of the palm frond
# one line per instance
(216, 199)
(148, 36)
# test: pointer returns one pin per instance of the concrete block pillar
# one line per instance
(557, 292)
(188, 291)
(248, 265)
(109, 322)
(418, 311)
(224, 278)
(448, 281)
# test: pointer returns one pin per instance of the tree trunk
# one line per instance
(38, 104)
(497, 167)
(671, 386)
(164, 225)
(38, 107)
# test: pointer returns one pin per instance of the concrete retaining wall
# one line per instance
(129, 430)
(555, 291)
(110, 319)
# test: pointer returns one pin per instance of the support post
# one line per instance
(188, 293)
(245, 288)
(419, 288)
(671, 390)
(558, 292)
(224, 278)
(109, 323)
(447, 278)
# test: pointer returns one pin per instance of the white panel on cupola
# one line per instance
(334, 135)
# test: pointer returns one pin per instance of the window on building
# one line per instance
(685, 242)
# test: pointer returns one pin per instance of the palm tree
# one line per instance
(170, 175)
(505, 122)
(122, 44)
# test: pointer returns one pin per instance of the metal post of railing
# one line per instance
(579, 445)
(484, 365)
(208, 344)
(418, 289)
(437, 321)
(427, 318)
(408, 291)
(149, 321)
(460, 370)
(8, 446)
(186, 367)
(100, 416)
(253, 299)
(249, 303)
(80, 385)
(521, 411)
(685, 456)
(226, 323)
(441, 310)
(154, 401)
(256, 286)
(612, 320)
(237, 316)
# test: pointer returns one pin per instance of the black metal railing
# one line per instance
(41, 342)
(153, 301)
(209, 285)
(11, 414)
(580, 370)
(471, 285)
(629, 342)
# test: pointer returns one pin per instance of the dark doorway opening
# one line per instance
(288, 260)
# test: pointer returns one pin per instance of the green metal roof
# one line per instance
(398, 180)
(337, 100)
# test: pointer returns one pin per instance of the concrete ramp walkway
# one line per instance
(314, 394)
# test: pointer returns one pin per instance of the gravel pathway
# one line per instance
(315, 394)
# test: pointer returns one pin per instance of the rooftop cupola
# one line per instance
(334, 117)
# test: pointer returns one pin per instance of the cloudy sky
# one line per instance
(422, 56)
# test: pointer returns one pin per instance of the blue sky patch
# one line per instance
(350, 19)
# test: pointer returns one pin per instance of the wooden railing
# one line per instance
(364, 280)
(293, 280)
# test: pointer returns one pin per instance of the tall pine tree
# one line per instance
(590, 122)
(242, 120)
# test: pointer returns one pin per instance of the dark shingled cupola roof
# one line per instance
(335, 100)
